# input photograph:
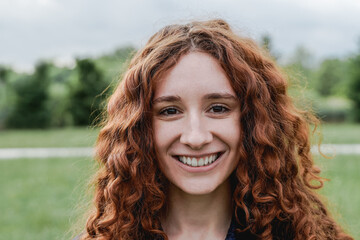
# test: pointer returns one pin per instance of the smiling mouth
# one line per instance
(198, 161)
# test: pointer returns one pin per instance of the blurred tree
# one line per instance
(4, 106)
(354, 88)
(112, 65)
(303, 58)
(87, 95)
(30, 110)
(59, 91)
(61, 74)
(300, 68)
(124, 53)
(330, 74)
(267, 43)
(4, 73)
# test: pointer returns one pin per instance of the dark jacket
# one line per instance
(231, 235)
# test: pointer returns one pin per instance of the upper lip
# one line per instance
(198, 155)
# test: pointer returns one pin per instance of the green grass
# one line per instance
(341, 133)
(38, 197)
(62, 137)
(342, 191)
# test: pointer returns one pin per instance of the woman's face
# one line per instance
(196, 124)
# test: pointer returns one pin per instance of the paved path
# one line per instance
(16, 153)
(338, 149)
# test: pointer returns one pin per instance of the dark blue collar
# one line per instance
(231, 232)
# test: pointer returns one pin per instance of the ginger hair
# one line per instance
(274, 182)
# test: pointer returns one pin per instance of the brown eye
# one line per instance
(169, 111)
(218, 109)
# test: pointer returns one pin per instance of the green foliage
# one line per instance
(4, 101)
(87, 96)
(59, 101)
(31, 110)
(322, 89)
(113, 65)
(354, 89)
(68, 96)
(58, 96)
(330, 74)
(4, 74)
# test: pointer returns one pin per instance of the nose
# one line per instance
(195, 133)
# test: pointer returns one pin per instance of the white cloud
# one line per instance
(61, 28)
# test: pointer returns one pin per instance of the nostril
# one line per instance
(196, 139)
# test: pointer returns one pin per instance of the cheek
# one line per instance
(164, 134)
(229, 130)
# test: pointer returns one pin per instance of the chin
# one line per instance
(199, 186)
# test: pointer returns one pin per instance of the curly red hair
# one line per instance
(274, 181)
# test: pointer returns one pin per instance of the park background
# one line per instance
(60, 60)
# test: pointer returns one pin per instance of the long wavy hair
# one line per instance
(273, 184)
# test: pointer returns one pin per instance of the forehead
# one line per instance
(195, 73)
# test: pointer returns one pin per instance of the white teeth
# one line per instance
(201, 162)
(195, 162)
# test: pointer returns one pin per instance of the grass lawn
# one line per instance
(342, 191)
(62, 137)
(340, 133)
(38, 197)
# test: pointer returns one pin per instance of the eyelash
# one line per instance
(224, 109)
(165, 111)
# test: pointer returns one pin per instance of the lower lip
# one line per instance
(202, 168)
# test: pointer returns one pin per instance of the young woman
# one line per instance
(201, 141)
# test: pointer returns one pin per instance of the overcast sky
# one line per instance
(63, 29)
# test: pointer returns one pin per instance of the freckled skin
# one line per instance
(195, 125)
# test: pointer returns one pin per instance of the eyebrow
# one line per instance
(210, 96)
(170, 98)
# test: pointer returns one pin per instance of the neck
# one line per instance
(206, 216)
